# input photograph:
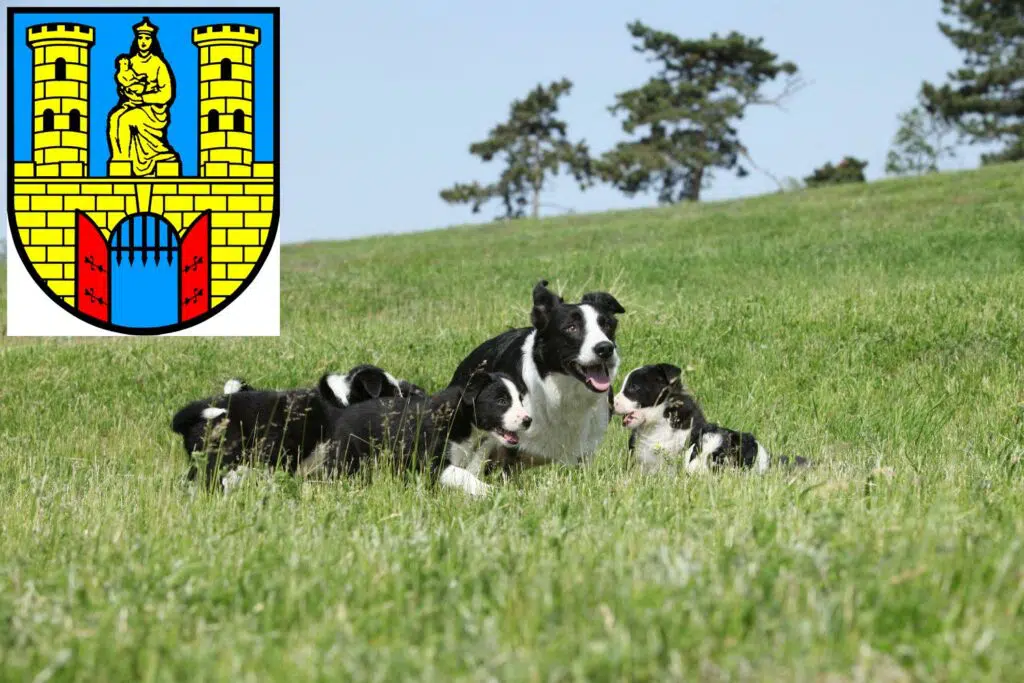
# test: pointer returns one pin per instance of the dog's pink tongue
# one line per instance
(597, 376)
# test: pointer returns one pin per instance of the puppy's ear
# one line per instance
(371, 380)
(334, 388)
(603, 301)
(544, 300)
(670, 372)
(474, 385)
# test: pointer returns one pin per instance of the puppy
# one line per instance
(343, 387)
(275, 429)
(447, 434)
(666, 423)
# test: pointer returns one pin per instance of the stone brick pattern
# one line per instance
(241, 214)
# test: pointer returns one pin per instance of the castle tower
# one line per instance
(226, 70)
(60, 98)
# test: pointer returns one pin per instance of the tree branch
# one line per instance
(791, 88)
(750, 160)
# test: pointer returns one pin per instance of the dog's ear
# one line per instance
(335, 389)
(670, 372)
(544, 301)
(474, 385)
(603, 301)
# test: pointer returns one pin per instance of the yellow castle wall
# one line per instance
(240, 219)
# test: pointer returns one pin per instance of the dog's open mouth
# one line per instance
(631, 419)
(506, 437)
(594, 376)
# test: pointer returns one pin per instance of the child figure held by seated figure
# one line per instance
(130, 80)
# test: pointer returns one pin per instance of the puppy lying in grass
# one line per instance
(274, 429)
(447, 435)
(667, 424)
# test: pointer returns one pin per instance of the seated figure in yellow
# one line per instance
(137, 126)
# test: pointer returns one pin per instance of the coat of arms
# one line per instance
(143, 158)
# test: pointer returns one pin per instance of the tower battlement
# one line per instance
(226, 34)
(60, 34)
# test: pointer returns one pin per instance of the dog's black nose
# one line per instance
(604, 350)
(527, 421)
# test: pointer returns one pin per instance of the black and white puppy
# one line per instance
(666, 423)
(443, 434)
(354, 386)
(564, 364)
(277, 429)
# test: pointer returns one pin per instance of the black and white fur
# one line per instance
(442, 434)
(234, 385)
(286, 429)
(345, 387)
(666, 423)
(564, 364)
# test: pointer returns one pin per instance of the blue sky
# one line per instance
(380, 100)
(114, 37)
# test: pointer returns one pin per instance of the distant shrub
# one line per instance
(849, 170)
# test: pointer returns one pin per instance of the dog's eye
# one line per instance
(503, 402)
(571, 328)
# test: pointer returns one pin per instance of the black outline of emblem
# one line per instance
(274, 12)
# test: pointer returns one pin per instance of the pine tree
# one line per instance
(533, 145)
(985, 97)
(686, 115)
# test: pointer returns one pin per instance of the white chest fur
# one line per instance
(469, 454)
(465, 460)
(657, 444)
(569, 420)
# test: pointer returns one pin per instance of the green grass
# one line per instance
(876, 329)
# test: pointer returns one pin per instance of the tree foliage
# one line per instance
(985, 97)
(533, 145)
(919, 144)
(849, 170)
(684, 118)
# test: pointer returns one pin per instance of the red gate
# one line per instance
(92, 269)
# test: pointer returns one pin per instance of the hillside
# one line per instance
(876, 329)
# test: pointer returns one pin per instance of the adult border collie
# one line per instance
(441, 435)
(286, 429)
(565, 365)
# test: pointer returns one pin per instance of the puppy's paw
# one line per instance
(234, 479)
(478, 489)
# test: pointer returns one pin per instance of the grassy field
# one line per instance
(876, 329)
